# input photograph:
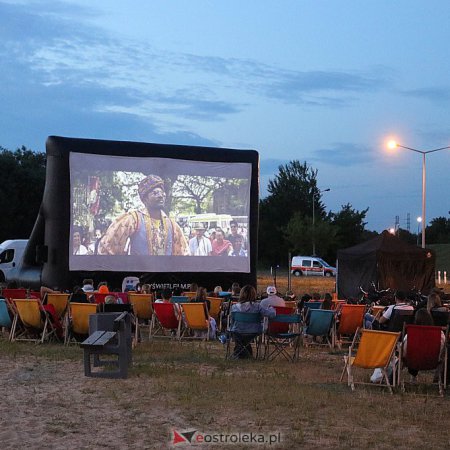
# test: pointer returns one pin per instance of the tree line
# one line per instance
(286, 222)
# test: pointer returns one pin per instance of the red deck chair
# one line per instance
(423, 352)
(164, 319)
(280, 327)
(99, 298)
(14, 293)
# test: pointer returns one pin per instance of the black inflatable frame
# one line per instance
(46, 258)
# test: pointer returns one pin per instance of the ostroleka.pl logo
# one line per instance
(195, 437)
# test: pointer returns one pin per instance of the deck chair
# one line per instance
(256, 338)
(180, 299)
(321, 324)
(5, 316)
(99, 297)
(350, 319)
(374, 350)
(190, 295)
(290, 304)
(215, 305)
(77, 321)
(143, 311)
(308, 307)
(285, 343)
(441, 318)
(398, 318)
(376, 310)
(31, 322)
(60, 302)
(195, 320)
(423, 352)
(165, 322)
(19, 293)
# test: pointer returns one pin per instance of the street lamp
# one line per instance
(419, 220)
(314, 218)
(393, 145)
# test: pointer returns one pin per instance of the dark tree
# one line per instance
(22, 186)
(438, 232)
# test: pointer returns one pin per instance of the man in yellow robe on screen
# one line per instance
(149, 231)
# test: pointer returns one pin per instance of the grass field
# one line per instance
(190, 386)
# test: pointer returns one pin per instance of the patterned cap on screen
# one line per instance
(149, 183)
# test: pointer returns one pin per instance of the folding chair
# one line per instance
(215, 305)
(291, 304)
(77, 321)
(180, 299)
(351, 318)
(398, 318)
(143, 311)
(321, 324)
(190, 295)
(5, 316)
(165, 320)
(35, 324)
(196, 320)
(441, 318)
(99, 297)
(243, 340)
(308, 307)
(285, 343)
(375, 350)
(423, 352)
(60, 302)
(19, 293)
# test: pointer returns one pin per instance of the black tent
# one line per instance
(387, 261)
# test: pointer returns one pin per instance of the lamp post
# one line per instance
(314, 219)
(419, 220)
(393, 145)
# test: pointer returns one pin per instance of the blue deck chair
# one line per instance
(180, 299)
(286, 343)
(245, 339)
(321, 324)
(308, 306)
(5, 318)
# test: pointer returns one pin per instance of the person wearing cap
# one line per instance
(200, 245)
(272, 298)
(149, 231)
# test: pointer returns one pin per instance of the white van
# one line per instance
(311, 266)
(11, 253)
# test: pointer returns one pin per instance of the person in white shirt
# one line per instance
(272, 298)
(199, 245)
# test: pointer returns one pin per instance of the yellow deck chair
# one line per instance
(77, 321)
(215, 305)
(190, 295)
(377, 310)
(60, 302)
(195, 319)
(375, 350)
(142, 310)
(31, 322)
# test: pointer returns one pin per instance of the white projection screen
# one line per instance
(201, 222)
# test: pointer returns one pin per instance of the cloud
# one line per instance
(436, 94)
(270, 166)
(344, 154)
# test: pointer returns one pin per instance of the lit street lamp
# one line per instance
(314, 219)
(393, 145)
(419, 220)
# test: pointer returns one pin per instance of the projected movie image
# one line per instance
(158, 214)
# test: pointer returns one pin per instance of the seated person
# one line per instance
(272, 298)
(244, 333)
(327, 302)
(78, 295)
(201, 298)
(383, 321)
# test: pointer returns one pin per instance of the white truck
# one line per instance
(11, 257)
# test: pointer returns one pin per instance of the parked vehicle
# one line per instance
(311, 266)
(11, 255)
